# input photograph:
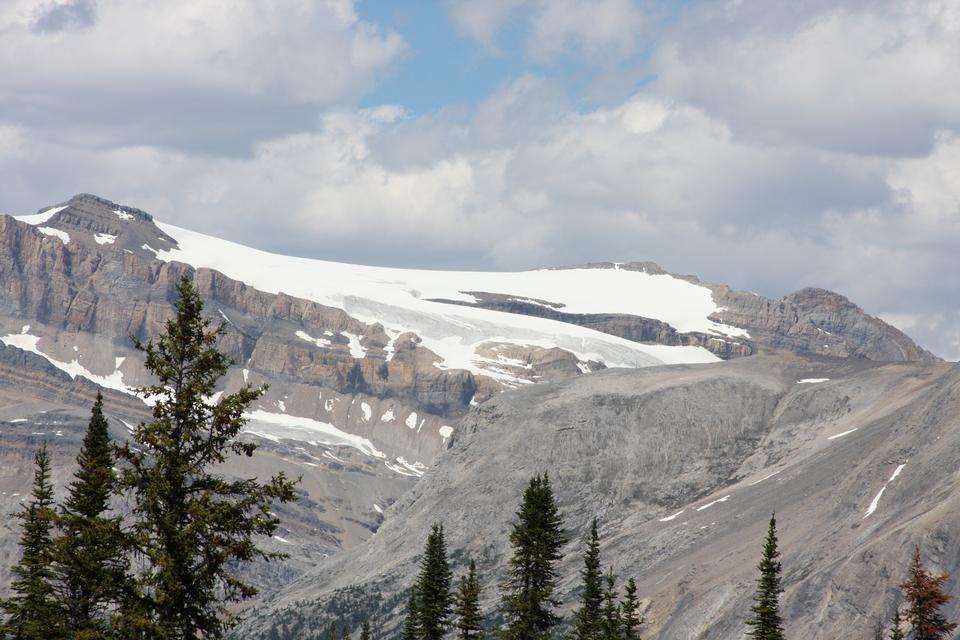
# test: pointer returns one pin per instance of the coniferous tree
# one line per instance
(588, 621)
(925, 596)
(411, 624)
(631, 612)
(434, 600)
(365, 630)
(766, 623)
(612, 622)
(91, 561)
(191, 526)
(896, 632)
(527, 603)
(32, 613)
(469, 619)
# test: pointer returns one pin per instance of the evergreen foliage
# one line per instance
(411, 624)
(192, 527)
(630, 611)
(587, 618)
(612, 622)
(527, 604)
(896, 623)
(91, 560)
(469, 618)
(32, 612)
(365, 631)
(925, 596)
(766, 623)
(434, 600)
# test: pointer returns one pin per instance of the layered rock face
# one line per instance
(683, 467)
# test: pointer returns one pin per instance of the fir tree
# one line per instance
(895, 626)
(192, 528)
(434, 601)
(588, 622)
(365, 630)
(469, 619)
(631, 612)
(527, 603)
(32, 612)
(411, 624)
(91, 562)
(766, 623)
(612, 622)
(925, 596)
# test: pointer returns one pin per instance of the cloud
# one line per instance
(183, 73)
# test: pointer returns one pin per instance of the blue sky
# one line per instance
(765, 145)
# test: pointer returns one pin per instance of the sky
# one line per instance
(768, 146)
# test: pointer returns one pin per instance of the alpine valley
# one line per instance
(679, 413)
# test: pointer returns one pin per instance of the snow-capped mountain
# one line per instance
(370, 369)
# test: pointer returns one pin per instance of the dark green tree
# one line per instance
(588, 621)
(469, 618)
(536, 540)
(630, 612)
(766, 623)
(32, 613)
(612, 621)
(411, 623)
(896, 632)
(925, 596)
(434, 600)
(91, 559)
(192, 527)
(365, 631)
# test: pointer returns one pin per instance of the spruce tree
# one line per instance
(527, 603)
(896, 623)
(631, 612)
(434, 600)
(766, 623)
(32, 613)
(612, 622)
(587, 618)
(365, 630)
(192, 527)
(469, 619)
(91, 561)
(411, 623)
(925, 596)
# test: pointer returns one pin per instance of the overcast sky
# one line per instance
(764, 145)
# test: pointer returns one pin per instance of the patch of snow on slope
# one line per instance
(387, 416)
(29, 343)
(840, 435)
(813, 380)
(710, 504)
(41, 218)
(669, 518)
(302, 429)
(398, 299)
(876, 499)
(104, 238)
(446, 431)
(320, 342)
(123, 215)
(367, 411)
(356, 349)
(411, 420)
(56, 233)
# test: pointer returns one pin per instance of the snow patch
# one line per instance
(104, 238)
(377, 508)
(669, 518)
(289, 427)
(411, 420)
(123, 215)
(446, 431)
(387, 416)
(356, 349)
(320, 342)
(876, 499)
(710, 504)
(41, 218)
(18, 420)
(367, 411)
(766, 477)
(56, 233)
(813, 380)
(840, 435)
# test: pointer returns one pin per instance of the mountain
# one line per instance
(683, 466)
(372, 371)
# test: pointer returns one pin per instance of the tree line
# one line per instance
(164, 568)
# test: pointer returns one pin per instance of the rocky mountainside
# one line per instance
(683, 466)
(371, 371)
